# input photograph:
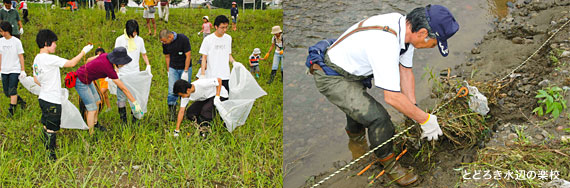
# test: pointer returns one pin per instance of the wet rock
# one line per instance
(468, 63)
(557, 183)
(539, 137)
(475, 51)
(528, 41)
(544, 83)
(553, 45)
(518, 40)
(512, 136)
(565, 54)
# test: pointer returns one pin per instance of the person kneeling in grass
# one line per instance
(101, 67)
(46, 74)
(11, 65)
(203, 91)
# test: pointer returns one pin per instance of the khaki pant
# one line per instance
(101, 5)
(163, 12)
(362, 110)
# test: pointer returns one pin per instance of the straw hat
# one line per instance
(276, 29)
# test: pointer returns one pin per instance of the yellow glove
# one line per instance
(266, 55)
(281, 52)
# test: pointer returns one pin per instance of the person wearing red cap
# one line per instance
(383, 52)
(234, 13)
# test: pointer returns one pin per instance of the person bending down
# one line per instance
(203, 91)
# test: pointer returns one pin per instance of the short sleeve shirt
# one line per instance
(203, 90)
(13, 17)
(10, 50)
(100, 67)
(134, 53)
(177, 50)
(254, 60)
(46, 70)
(375, 52)
(278, 43)
(218, 50)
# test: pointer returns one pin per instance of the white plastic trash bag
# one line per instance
(29, 84)
(477, 101)
(139, 86)
(70, 116)
(243, 92)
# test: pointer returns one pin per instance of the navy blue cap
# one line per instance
(443, 24)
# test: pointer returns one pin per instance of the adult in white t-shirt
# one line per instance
(216, 53)
(202, 91)
(135, 48)
(386, 54)
(11, 64)
(47, 75)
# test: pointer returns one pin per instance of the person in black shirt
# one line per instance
(176, 50)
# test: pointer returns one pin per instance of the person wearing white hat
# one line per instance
(206, 27)
(254, 62)
(277, 43)
(234, 13)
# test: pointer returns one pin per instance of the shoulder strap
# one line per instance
(361, 28)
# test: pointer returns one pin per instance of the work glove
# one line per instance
(184, 75)
(199, 33)
(21, 77)
(137, 107)
(87, 48)
(148, 70)
(21, 30)
(430, 128)
(217, 101)
(266, 55)
(281, 52)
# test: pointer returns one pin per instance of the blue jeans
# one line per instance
(109, 8)
(276, 59)
(173, 76)
(10, 84)
(88, 94)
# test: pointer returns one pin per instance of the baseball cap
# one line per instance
(443, 24)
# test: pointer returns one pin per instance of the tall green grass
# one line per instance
(145, 155)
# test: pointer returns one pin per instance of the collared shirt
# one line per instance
(375, 52)
(13, 17)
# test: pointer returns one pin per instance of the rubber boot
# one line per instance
(11, 109)
(21, 102)
(51, 139)
(100, 127)
(134, 120)
(273, 72)
(281, 77)
(123, 114)
(396, 172)
(357, 144)
(172, 112)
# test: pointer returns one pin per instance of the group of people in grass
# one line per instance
(90, 79)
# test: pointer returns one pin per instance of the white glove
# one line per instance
(184, 76)
(431, 129)
(21, 77)
(148, 70)
(217, 100)
(21, 30)
(137, 107)
(199, 33)
(87, 48)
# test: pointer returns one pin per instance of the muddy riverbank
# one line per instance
(488, 48)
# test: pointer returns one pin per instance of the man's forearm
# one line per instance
(407, 83)
(204, 64)
(401, 103)
(188, 60)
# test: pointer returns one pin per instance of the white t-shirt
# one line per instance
(133, 66)
(375, 52)
(278, 43)
(204, 88)
(46, 69)
(10, 49)
(218, 50)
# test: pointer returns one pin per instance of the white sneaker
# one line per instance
(176, 133)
